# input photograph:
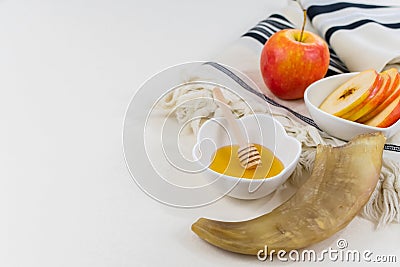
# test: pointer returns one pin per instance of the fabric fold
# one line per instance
(364, 35)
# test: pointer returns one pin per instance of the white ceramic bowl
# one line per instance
(260, 129)
(335, 126)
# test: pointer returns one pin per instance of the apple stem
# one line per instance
(304, 24)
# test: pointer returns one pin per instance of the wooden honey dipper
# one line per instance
(248, 154)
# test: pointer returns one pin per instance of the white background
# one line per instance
(68, 70)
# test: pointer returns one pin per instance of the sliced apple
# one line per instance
(387, 116)
(395, 80)
(372, 101)
(394, 91)
(351, 93)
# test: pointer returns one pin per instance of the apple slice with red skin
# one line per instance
(351, 93)
(372, 101)
(393, 92)
(388, 116)
(395, 80)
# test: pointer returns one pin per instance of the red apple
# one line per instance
(291, 62)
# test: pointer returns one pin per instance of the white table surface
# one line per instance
(68, 71)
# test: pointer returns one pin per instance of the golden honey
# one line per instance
(226, 161)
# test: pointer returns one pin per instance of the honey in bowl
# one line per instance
(226, 161)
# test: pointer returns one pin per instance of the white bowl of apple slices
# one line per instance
(350, 104)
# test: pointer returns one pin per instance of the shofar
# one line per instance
(340, 184)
